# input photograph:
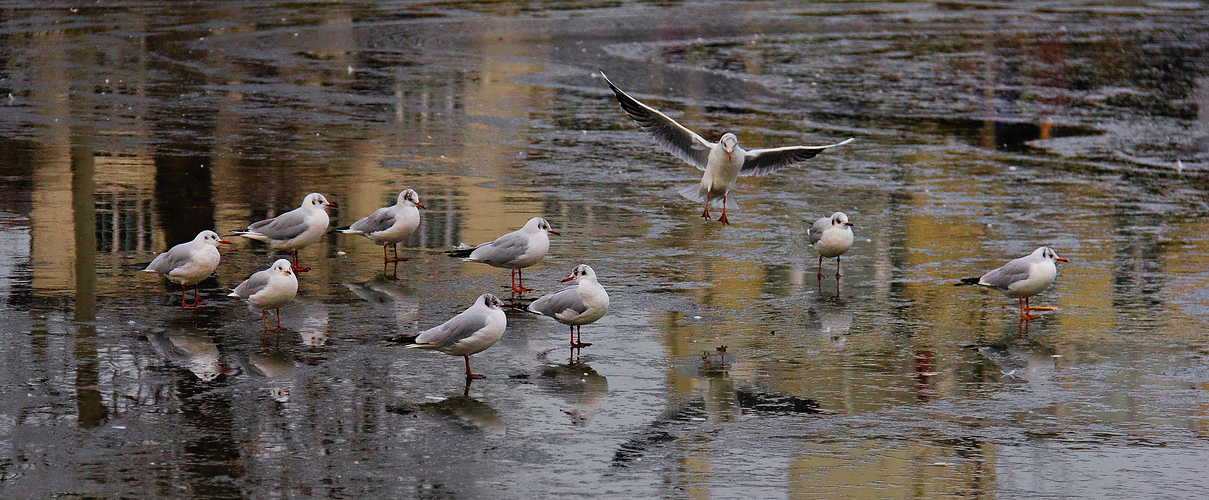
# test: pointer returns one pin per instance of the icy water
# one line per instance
(724, 368)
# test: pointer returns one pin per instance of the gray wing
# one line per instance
(767, 161)
(380, 220)
(1011, 272)
(504, 249)
(175, 257)
(673, 137)
(455, 330)
(283, 227)
(559, 302)
(253, 284)
(816, 229)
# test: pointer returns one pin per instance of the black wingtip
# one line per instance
(402, 339)
(521, 305)
(968, 281)
(460, 252)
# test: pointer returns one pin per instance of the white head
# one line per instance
(1046, 253)
(580, 273)
(316, 201)
(491, 301)
(210, 238)
(409, 198)
(840, 219)
(282, 267)
(539, 224)
(728, 142)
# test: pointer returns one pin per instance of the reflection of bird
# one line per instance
(189, 263)
(191, 350)
(723, 162)
(269, 289)
(468, 412)
(295, 229)
(584, 303)
(576, 381)
(831, 237)
(516, 250)
(471, 331)
(389, 295)
(835, 322)
(271, 364)
(387, 226)
(312, 328)
(1022, 278)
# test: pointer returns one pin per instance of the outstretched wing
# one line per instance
(671, 136)
(766, 161)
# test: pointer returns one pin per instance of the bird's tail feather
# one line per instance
(696, 193)
(462, 251)
(968, 281)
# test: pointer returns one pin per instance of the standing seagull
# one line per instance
(1022, 278)
(189, 263)
(831, 237)
(295, 229)
(388, 226)
(269, 289)
(577, 306)
(470, 332)
(723, 161)
(516, 250)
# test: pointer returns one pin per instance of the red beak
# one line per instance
(849, 224)
(568, 278)
(331, 204)
(225, 242)
(554, 232)
(1060, 259)
(420, 205)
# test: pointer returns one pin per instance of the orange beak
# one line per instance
(419, 205)
(848, 224)
(568, 278)
(554, 232)
(287, 271)
(1060, 259)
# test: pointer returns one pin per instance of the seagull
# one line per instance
(189, 263)
(470, 332)
(516, 250)
(388, 226)
(723, 161)
(1022, 278)
(269, 289)
(295, 229)
(831, 237)
(584, 303)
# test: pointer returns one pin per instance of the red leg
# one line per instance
(820, 268)
(264, 320)
(1024, 314)
(579, 343)
(469, 375)
(723, 218)
(391, 259)
(189, 304)
(519, 285)
(837, 268)
(705, 213)
(298, 268)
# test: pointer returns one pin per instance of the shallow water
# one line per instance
(724, 368)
